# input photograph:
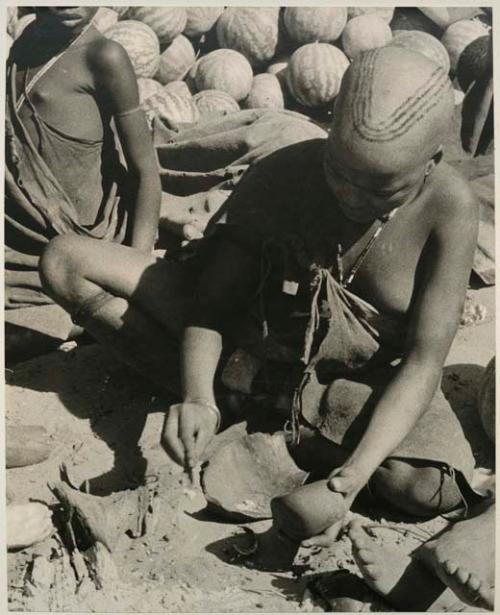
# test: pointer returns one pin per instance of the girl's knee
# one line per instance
(415, 488)
(58, 266)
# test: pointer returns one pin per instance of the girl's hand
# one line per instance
(188, 429)
(348, 480)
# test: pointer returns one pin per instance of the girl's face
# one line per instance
(363, 196)
(65, 19)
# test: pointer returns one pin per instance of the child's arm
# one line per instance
(229, 278)
(438, 304)
(117, 85)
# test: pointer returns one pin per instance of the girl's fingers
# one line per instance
(322, 540)
(170, 437)
(205, 434)
(187, 429)
(341, 484)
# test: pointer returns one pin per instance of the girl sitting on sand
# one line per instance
(65, 84)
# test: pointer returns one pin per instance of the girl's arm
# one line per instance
(229, 278)
(117, 84)
(436, 313)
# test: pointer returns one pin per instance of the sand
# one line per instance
(104, 423)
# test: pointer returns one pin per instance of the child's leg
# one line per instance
(412, 487)
(463, 557)
(130, 302)
(415, 487)
(403, 581)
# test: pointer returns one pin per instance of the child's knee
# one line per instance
(58, 266)
(420, 490)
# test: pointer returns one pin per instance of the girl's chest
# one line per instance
(381, 266)
(62, 94)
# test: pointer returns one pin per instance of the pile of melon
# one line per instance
(196, 62)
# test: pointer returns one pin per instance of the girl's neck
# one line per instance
(57, 38)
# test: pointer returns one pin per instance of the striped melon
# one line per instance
(278, 68)
(214, 103)
(141, 44)
(461, 34)
(266, 93)
(315, 73)
(178, 87)
(314, 23)
(148, 88)
(11, 19)
(176, 60)
(363, 33)
(486, 400)
(166, 22)
(22, 23)
(423, 43)
(173, 108)
(251, 31)
(104, 18)
(223, 69)
(200, 19)
(384, 12)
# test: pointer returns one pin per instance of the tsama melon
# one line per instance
(251, 31)
(176, 60)
(11, 19)
(167, 22)
(422, 43)
(173, 108)
(278, 68)
(104, 18)
(266, 93)
(363, 33)
(384, 12)
(214, 103)
(148, 88)
(141, 44)
(22, 23)
(306, 24)
(315, 73)
(459, 35)
(223, 69)
(475, 62)
(486, 400)
(178, 87)
(200, 19)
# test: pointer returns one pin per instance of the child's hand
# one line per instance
(188, 429)
(347, 480)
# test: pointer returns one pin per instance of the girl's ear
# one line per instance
(434, 161)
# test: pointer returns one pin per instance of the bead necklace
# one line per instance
(362, 256)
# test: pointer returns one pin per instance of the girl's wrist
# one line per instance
(363, 468)
(210, 405)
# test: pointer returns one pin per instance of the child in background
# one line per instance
(65, 84)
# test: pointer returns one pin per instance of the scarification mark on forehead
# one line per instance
(409, 113)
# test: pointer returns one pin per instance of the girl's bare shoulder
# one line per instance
(106, 55)
(451, 204)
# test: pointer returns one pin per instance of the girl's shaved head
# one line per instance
(394, 106)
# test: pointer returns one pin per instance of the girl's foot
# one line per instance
(402, 581)
(466, 585)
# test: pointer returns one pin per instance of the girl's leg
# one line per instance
(130, 302)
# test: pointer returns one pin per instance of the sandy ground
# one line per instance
(104, 425)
